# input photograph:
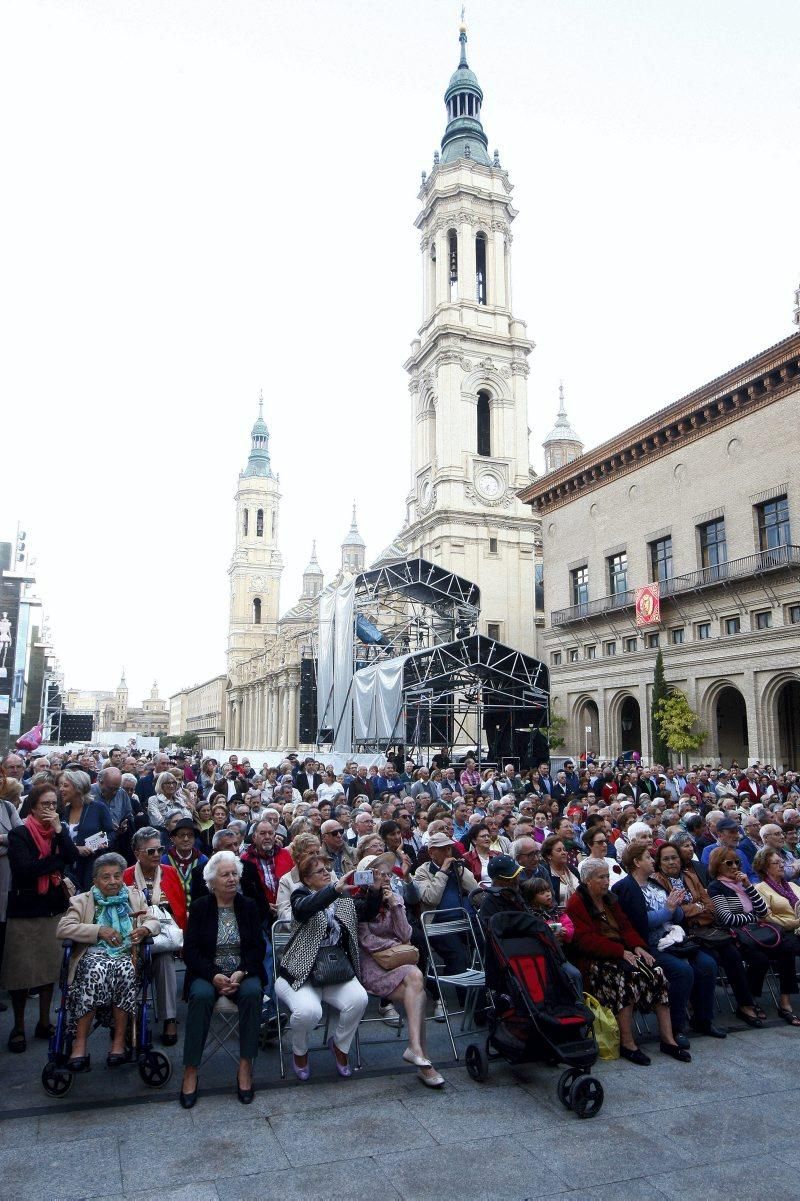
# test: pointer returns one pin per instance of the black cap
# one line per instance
(503, 867)
(727, 823)
(184, 823)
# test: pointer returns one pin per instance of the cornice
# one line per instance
(748, 388)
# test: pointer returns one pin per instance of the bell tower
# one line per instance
(468, 376)
(256, 566)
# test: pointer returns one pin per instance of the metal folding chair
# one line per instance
(438, 924)
(224, 1025)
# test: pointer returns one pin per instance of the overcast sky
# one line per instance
(206, 198)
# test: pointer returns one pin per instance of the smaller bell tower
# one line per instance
(256, 566)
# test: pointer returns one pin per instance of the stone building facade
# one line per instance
(201, 710)
(112, 712)
(703, 498)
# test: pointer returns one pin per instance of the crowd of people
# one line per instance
(660, 884)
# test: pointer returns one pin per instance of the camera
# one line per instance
(364, 878)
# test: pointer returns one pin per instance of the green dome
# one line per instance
(463, 78)
(464, 136)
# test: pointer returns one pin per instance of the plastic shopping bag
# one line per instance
(605, 1030)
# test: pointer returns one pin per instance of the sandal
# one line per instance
(760, 1013)
(789, 1017)
(17, 1043)
(44, 1031)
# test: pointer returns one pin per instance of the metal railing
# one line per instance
(775, 559)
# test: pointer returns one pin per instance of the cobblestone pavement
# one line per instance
(670, 1132)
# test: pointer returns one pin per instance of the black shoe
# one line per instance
(169, 1040)
(245, 1095)
(635, 1056)
(80, 1063)
(675, 1052)
(756, 1023)
(115, 1060)
(187, 1100)
(17, 1042)
(682, 1041)
(709, 1030)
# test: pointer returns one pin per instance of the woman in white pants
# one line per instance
(321, 961)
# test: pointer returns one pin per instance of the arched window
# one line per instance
(480, 268)
(260, 523)
(257, 611)
(245, 521)
(452, 261)
(484, 424)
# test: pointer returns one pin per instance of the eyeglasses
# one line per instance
(152, 851)
(336, 833)
(732, 862)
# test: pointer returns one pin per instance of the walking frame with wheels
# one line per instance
(155, 1069)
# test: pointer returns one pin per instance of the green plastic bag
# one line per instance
(605, 1030)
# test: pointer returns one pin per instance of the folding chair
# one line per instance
(224, 1025)
(438, 923)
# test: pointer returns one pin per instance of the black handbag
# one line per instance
(759, 936)
(331, 967)
(711, 936)
(685, 949)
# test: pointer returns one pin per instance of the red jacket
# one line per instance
(172, 889)
(473, 862)
(590, 940)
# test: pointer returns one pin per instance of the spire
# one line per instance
(313, 566)
(258, 462)
(353, 537)
(464, 136)
(312, 576)
(562, 444)
(122, 683)
(353, 547)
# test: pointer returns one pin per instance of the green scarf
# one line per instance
(116, 913)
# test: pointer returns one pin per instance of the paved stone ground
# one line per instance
(722, 1125)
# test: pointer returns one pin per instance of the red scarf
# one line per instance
(43, 840)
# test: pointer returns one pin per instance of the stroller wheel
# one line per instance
(56, 1081)
(586, 1097)
(477, 1062)
(565, 1083)
(155, 1069)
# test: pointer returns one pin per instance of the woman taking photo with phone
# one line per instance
(321, 960)
(389, 964)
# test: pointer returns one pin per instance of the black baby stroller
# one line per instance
(535, 1013)
(154, 1068)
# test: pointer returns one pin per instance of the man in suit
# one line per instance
(307, 778)
(543, 783)
(360, 785)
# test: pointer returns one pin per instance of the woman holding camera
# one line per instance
(389, 964)
(321, 960)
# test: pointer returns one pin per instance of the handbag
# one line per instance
(331, 967)
(170, 937)
(759, 936)
(397, 955)
(685, 949)
(711, 936)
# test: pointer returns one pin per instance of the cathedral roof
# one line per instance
(353, 537)
(313, 566)
(464, 136)
(562, 431)
(258, 463)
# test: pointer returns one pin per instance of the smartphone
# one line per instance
(362, 879)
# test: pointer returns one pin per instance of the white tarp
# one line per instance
(343, 666)
(378, 700)
(327, 604)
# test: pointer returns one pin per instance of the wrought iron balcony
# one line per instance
(776, 559)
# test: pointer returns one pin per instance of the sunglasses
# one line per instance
(336, 833)
(153, 851)
(732, 862)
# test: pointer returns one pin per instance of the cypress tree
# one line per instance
(660, 693)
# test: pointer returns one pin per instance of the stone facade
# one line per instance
(112, 712)
(201, 710)
(704, 494)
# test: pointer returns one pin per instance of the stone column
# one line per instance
(267, 712)
(284, 738)
(467, 288)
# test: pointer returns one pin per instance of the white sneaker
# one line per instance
(389, 1015)
(438, 1012)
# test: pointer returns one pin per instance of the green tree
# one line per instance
(555, 731)
(188, 740)
(677, 722)
(660, 693)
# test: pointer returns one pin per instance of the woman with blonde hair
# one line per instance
(304, 844)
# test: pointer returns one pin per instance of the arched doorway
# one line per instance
(630, 721)
(788, 713)
(733, 741)
(587, 728)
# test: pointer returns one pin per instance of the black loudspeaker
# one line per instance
(76, 727)
(308, 701)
